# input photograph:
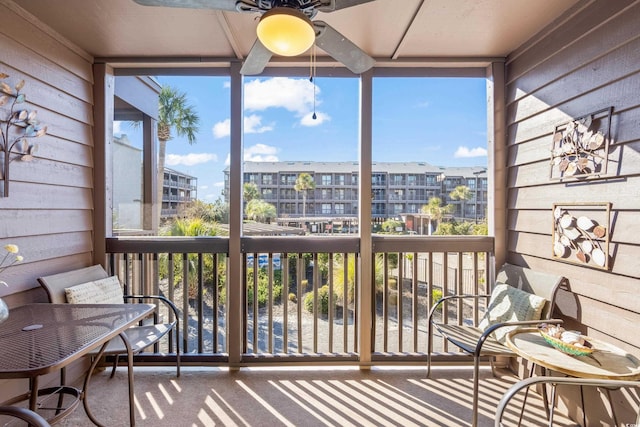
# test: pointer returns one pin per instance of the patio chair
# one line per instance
(31, 418)
(555, 381)
(94, 285)
(521, 297)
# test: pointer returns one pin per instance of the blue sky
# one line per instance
(441, 121)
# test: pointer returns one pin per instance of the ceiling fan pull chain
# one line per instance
(313, 74)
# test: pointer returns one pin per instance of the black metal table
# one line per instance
(38, 339)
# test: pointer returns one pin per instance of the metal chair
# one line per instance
(33, 419)
(555, 381)
(479, 343)
(140, 337)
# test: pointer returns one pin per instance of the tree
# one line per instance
(259, 210)
(208, 212)
(462, 193)
(173, 113)
(304, 182)
(435, 210)
(250, 192)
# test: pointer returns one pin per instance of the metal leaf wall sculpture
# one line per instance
(580, 147)
(581, 233)
(18, 126)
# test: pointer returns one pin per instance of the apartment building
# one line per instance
(178, 189)
(398, 188)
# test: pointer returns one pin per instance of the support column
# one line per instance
(497, 172)
(234, 274)
(365, 302)
(103, 92)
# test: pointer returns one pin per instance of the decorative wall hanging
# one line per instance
(580, 147)
(17, 126)
(581, 233)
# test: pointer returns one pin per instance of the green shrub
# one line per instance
(436, 294)
(323, 300)
(263, 286)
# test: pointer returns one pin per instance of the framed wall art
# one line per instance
(580, 147)
(582, 233)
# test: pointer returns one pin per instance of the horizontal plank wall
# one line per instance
(49, 211)
(587, 61)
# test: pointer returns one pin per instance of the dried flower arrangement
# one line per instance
(22, 122)
(580, 238)
(580, 147)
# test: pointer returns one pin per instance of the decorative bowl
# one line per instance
(564, 347)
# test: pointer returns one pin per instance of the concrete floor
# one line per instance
(314, 396)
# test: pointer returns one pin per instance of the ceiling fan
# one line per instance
(278, 15)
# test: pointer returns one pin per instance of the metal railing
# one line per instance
(300, 295)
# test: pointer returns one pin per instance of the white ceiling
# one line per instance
(391, 31)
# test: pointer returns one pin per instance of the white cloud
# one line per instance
(189, 159)
(258, 153)
(473, 152)
(252, 124)
(203, 187)
(295, 95)
(219, 184)
(222, 129)
(116, 127)
(261, 153)
(308, 119)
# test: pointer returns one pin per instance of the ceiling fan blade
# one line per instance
(342, 49)
(258, 58)
(192, 4)
(340, 4)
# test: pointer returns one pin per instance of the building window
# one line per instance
(397, 179)
(340, 208)
(340, 194)
(339, 179)
(354, 179)
(326, 208)
(251, 177)
(287, 193)
(378, 179)
(326, 179)
(288, 179)
(267, 179)
(326, 194)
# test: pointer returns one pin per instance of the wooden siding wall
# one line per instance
(578, 65)
(49, 213)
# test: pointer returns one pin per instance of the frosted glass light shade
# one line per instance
(285, 31)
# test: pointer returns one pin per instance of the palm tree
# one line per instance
(250, 192)
(462, 193)
(260, 211)
(304, 182)
(435, 210)
(173, 112)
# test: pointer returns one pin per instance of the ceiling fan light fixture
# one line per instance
(286, 31)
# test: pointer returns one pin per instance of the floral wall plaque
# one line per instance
(580, 147)
(581, 233)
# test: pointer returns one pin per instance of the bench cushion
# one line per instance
(509, 304)
(101, 291)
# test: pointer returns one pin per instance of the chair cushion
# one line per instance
(102, 291)
(509, 304)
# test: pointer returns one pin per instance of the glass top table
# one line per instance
(38, 339)
(606, 362)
